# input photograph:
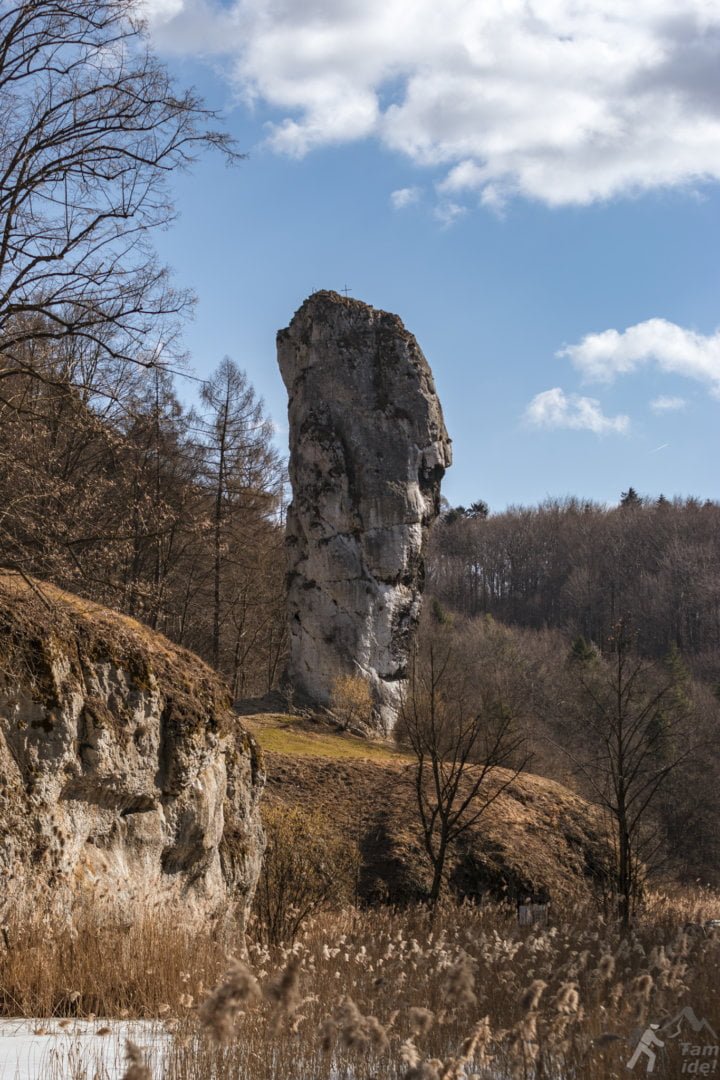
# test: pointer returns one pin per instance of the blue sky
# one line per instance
(535, 194)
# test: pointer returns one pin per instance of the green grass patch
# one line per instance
(280, 733)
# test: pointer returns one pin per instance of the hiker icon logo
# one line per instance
(699, 1047)
(646, 1047)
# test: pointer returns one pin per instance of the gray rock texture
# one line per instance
(368, 449)
(123, 773)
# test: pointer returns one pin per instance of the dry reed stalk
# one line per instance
(219, 1012)
(138, 1068)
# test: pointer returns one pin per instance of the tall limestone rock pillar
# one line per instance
(368, 448)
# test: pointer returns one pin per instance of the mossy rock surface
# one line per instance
(43, 628)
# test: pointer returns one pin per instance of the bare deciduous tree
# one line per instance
(461, 718)
(120, 504)
(90, 127)
(632, 731)
(308, 863)
(242, 474)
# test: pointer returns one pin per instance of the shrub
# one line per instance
(351, 701)
(306, 865)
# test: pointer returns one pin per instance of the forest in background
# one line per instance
(175, 516)
(579, 566)
(551, 584)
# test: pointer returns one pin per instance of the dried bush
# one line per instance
(351, 701)
(307, 864)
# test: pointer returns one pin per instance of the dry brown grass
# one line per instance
(89, 964)
(387, 994)
(40, 623)
(537, 836)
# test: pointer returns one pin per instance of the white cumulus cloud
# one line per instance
(556, 409)
(665, 403)
(404, 197)
(673, 349)
(565, 101)
(158, 12)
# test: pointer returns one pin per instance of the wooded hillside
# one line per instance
(168, 514)
(579, 566)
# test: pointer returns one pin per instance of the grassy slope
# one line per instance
(280, 733)
(538, 835)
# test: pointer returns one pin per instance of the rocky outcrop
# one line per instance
(123, 773)
(368, 448)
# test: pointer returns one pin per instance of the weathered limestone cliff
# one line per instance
(368, 448)
(123, 773)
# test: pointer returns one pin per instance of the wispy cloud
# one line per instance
(673, 349)
(663, 446)
(556, 409)
(447, 213)
(665, 404)
(404, 197)
(565, 101)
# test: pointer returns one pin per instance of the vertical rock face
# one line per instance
(123, 773)
(368, 448)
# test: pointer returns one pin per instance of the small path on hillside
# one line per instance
(536, 836)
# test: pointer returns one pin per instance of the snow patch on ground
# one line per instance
(62, 1050)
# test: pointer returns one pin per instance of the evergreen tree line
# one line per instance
(169, 514)
(580, 567)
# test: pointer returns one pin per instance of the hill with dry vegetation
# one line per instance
(537, 838)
